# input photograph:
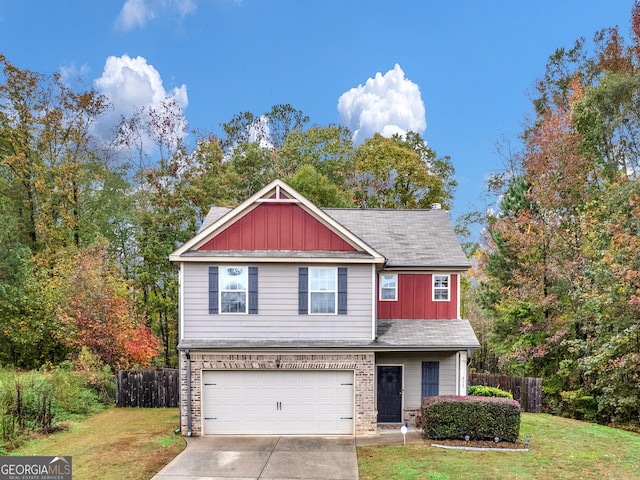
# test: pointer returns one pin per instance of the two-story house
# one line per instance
(301, 320)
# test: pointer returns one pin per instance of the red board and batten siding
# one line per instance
(415, 300)
(277, 226)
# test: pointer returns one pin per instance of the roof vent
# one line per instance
(436, 206)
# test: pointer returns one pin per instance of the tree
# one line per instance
(283, 120)
(254, 167)
(328, 149)
(318, 189)
(559, 273)
(102, 313)
(46, 154)
(390, 173)
(269, 130)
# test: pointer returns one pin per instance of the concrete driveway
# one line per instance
(251, 458)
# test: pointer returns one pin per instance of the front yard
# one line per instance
(134, 444)
(115, 444)
(560, 448)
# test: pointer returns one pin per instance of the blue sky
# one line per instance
(469, 63)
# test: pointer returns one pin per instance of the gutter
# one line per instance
(188, 357)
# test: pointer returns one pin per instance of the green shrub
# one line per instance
(584, 407)
(482, 418)
(96, 376)
(40, 400)
(484, 391)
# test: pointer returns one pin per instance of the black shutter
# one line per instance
(253, 290)
(303, 291)
(342, 290)
(213, 289)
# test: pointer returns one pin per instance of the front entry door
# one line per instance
(389, 394)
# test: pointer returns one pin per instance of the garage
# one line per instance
(278, 402)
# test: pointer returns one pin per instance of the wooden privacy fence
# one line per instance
(526, 390)
(147, 388)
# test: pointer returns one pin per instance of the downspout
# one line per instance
(188, 356)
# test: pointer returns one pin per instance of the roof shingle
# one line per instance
(406, 238)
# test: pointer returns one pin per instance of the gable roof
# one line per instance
(277, 192)
(405, 238)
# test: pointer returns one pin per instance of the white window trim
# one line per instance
(335, 292)
(221, 290)
(395, 289)
(433, 287)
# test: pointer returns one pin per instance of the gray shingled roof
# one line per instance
(429, 334)
(393, 335)
(214, 214)
(406, 238)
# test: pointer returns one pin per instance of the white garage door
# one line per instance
(281, 402)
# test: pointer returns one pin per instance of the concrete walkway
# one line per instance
(252, 458)
(388, 436)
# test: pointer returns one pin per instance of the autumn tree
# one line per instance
(102, 315)
(558, 270)
(46, 155)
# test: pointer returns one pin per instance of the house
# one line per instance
(301, 320)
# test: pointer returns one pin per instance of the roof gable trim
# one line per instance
(275, 192)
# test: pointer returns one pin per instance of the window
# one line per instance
(388, 286)
(233, 289)
(430, 379)
(322, 290)
(440, 288)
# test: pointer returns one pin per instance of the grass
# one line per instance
(560, 448)
(134, 444)
(116, 444)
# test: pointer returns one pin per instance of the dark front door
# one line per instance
(389, 394)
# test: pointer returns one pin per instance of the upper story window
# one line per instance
(441, 287)
(323, 283)
(233, 289)
(234, 282)
(388, 286)
(322, 290)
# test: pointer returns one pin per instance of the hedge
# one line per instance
(485, 391)
(481, 418)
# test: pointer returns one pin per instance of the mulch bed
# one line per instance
(476, 443)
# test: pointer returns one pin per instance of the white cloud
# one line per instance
(71, 72)
(386, 104)
(136, 13)
(131, 85)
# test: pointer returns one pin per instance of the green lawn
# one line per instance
(560, 449)
(116, 444)
(134, 444)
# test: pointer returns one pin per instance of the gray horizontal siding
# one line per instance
(277, 317)
(412, 363)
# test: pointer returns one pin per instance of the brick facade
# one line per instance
(363, 365)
